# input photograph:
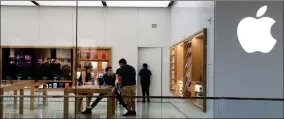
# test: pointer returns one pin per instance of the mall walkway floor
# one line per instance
(54, 109)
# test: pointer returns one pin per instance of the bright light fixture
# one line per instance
(137, 3)
(70, 3)
(18, 3)
(90, 3)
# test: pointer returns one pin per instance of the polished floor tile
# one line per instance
(54, 109)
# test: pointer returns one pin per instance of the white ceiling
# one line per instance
(91, 3)
(19, 3)
(137, 3)
(70, 3)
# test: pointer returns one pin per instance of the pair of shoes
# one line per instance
(87, 111)
(130, 113)
(143, 101)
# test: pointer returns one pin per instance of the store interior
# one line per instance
(188, 69)
(38, 64)
(54, 65)
(55, 42)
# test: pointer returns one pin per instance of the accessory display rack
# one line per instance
(188, 62)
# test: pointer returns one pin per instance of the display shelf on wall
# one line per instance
(190, 69)
(74, 58)
(50, 64)
(172, 68)
(98, 57)
(180, 69)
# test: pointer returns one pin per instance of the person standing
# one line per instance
(127, 78)
(145, 75)
(85, 79)
(117, 82)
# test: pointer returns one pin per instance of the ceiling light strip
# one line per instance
(71, 3)
(137, 3)
(17, 3)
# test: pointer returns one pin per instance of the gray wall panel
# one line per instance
(242, 74)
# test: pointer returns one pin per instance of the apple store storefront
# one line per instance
(248, 58)
(205, 59)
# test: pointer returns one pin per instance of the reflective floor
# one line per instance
(54, 109)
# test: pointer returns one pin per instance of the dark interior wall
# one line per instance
(35, 70)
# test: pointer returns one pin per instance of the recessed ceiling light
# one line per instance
(70, 3)
(137, 3)
(18, 3)
(90, 3)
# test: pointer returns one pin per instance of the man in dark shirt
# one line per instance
(145, 75)
(109, 79)
(127, 78)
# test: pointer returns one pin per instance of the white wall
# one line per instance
(123, 29)
(19, 26)
(151, 56)
(120, 28)
(187, 18)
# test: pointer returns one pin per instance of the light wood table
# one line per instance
(89, 89)
(20, 86)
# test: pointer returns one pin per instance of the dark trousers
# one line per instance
(145, 89)
(118, 97)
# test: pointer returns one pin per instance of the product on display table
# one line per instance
(93, 81)
(44, 78)
(66, 85)
(54, 85)
(61, 85)
(9, 78)
(198, 93)
(50, 86)
(88, 55)
(19, 76)
(40, 86)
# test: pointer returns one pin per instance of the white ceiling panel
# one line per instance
(70, 3)
(137, 3)
(18, 3)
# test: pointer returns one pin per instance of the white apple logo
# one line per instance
(255, 35)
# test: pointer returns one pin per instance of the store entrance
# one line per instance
(153, 57)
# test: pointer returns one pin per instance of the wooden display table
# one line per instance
(20, 86)
(89, 89)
